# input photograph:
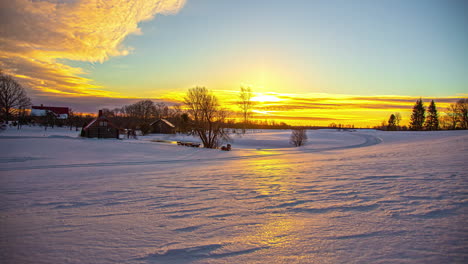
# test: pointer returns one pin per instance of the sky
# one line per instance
(307, 61)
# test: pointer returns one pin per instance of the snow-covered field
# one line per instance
(346, 197)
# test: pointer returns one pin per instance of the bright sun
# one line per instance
(265, 98)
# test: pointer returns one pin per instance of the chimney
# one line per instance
(100, 113)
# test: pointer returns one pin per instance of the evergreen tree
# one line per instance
(432, 120)
(418, 116)
(391, 123)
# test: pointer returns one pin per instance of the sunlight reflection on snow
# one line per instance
(272, 180)
(272, 177)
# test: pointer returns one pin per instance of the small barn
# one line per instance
(162, 126)
(100, 127)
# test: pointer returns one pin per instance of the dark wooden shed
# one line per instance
(162, 126)
(100, 127)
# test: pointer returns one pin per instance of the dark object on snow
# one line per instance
(188, 144)
(162, 126)
(100, 127)
(226, 148)
(131, 133)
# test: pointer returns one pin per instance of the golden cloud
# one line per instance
(36, 35)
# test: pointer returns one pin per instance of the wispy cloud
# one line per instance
(35, 37)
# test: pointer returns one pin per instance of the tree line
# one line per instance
(428, 119)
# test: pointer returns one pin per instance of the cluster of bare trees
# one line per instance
(341, 126)
(141, 114)
(456, 115)
(146, 110)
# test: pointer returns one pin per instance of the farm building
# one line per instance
(59, 112)
(162, 126)
(100, 127)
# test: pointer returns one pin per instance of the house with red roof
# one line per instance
(58, 112)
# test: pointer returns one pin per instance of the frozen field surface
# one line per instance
(346, 197)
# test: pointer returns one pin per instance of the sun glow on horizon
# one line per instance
(265, 98)
(318, 109)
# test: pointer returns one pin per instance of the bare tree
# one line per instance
(117, 111)
(176, 110)
(162, 110)
(12, 96)
(245, 104)
(298, 137)
(108, 113)
(207, 116)
(397, 119)
(462, 110)
(452, 113)
(445, 122)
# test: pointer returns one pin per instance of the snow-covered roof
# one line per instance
(165, 121)
(99, 119)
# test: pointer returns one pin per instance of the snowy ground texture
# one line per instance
(346, 197)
